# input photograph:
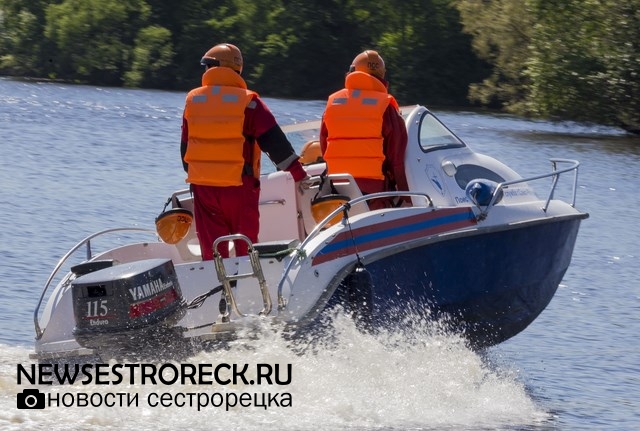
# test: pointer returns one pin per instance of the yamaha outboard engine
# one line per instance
(125, 306)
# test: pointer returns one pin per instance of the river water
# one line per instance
(77, 159)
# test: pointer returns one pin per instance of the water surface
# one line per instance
(77, 159)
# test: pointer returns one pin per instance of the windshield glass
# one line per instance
(434, 135)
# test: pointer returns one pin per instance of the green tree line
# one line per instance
(575, 59)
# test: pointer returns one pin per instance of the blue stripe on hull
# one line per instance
(389, 234)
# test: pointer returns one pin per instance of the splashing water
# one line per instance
(418, 379)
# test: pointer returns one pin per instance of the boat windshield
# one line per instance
(434, 135)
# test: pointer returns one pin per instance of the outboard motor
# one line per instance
(120, 306)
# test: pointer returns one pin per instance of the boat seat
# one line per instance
(278, 212)
(344, 184)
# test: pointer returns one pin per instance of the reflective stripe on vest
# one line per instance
(215, 117)
(353, 118)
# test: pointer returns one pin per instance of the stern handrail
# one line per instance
(64, 258)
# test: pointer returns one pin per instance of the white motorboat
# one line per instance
(473, 242)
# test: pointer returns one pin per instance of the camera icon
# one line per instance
(30, 399)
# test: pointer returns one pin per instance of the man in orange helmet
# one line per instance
(225, 127)
(363, 132)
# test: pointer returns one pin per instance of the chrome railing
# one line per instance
(554, 174)
(226, 279)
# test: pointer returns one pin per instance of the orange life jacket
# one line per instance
(353, 118)
(215, 117)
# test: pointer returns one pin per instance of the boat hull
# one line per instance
(488, 285)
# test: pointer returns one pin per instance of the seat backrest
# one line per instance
(278, 209)
(344, 184)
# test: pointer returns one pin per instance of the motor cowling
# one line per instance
(113, 304)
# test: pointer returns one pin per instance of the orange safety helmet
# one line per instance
(224, 55)
(311, 153)
(369, 62)
(173, 225)
(322, 206)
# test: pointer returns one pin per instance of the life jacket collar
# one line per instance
(222, 76)
(363, 81)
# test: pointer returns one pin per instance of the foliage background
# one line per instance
(575, 59)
